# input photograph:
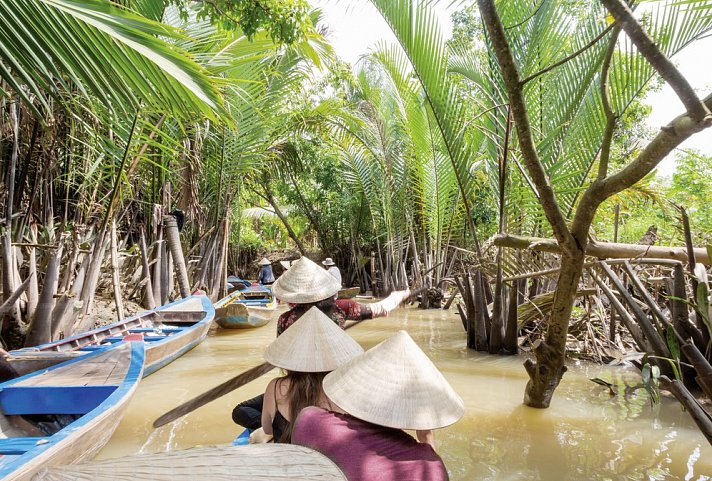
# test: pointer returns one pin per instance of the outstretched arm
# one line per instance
(383, 307)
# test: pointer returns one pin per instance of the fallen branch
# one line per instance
(603, 250)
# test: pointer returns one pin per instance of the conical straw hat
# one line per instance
(305, 282)
(395, 384)
(264, 262)
(314, 343)
(256, 462)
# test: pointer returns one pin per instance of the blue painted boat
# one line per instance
(257, 291)
(242, 439)
(81, 402)
(169, 332)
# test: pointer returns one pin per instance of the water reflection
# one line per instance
(585, 435)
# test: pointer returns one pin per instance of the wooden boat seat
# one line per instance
(53, 399)
(16, 446)
(145, 338)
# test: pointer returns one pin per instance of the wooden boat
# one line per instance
(234, 312)
(348, 292)
(169, 332)
(256, 462)
(90, 392)
(257, 291)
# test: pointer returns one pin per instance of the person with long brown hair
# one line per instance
(311, 348)
(304, 286)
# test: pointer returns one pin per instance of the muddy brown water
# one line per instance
(585, 435)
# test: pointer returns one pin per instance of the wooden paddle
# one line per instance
(228, 386)
(219, 391)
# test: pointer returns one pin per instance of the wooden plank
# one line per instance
(24, 400)
(91, 372)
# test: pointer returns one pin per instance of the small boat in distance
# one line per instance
(80, 403)
(235, 312)
(169, 332)
(348, 292)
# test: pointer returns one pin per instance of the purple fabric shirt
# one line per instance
(365, 451)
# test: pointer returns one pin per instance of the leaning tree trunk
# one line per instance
(546, 373)
(292, 235)
(170, 227)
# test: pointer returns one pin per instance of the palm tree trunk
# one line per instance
(8, 257)
(33, 289)
(40, 329)
(149, 300)
(292, 235)
(173, 238)
(115, 274)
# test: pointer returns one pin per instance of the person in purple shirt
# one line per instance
(389, 388)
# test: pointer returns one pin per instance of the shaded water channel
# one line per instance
(585, 435)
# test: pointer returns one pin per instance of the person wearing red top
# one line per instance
(303, 286)
(389, 388)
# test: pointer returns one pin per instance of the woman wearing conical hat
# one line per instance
(306, 284)
(266, 276)
(303, 286)
(375, 397)
(310, 349)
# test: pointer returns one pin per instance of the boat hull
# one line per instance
(235, 312)
(183, 325)
(238, 322)
(84, 437)
(348, 292)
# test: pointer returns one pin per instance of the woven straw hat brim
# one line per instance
(394, 384)
(256, 462)
(305, 282)
(314, 343)
(263, 262)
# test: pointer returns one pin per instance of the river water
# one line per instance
(585, 435)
